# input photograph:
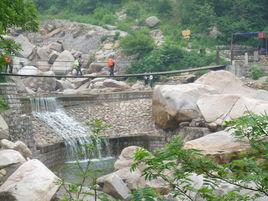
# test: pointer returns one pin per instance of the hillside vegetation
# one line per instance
(202, 17)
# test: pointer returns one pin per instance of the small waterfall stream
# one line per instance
(74, 134)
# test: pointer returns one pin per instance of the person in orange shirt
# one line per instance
(111, 64)
(8, 61)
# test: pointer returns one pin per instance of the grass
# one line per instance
(3, 105)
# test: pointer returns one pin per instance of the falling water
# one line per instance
(74, 134)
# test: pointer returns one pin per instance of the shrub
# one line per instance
(116, 36)
(138, 43)
(3, 105)
(169, 57)
(255, 72)
(103, 38)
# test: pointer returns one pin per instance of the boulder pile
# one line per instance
(53, 49)
(212, 99)
(23, 178)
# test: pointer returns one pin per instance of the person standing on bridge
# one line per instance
(111, 64)
(77, 65)
(9, 65)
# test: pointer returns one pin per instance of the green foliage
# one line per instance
(170, 56)
(137, 43)
(145, 194)
(3, 105)
(17, 13)
(229, 16)
(103, 38)
(255, 72)
(175, 165)
(116, 36)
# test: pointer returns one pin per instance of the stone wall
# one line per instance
(20, 126)
(52, 155)
(117, 144)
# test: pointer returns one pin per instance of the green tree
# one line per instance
(249, 172)
(15, 13)
(137, 43)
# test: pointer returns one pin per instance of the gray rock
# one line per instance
(115, 84)
(63, 64)
(23, 149)
(96, 67)
(126, 157)
(114, 186)
(43, 53)
(10, 157)
(221, 145)
(4, 130)
(29, 70)
(43, 83)
(173, 104)
(152, 21)
(6, 144)
(26, 47)
(77, 82)
(52, 57)
(43, 65)
(32, 181)
(56, 47)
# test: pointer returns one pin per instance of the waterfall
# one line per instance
(74, 134)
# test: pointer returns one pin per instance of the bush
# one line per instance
(3, 105)
(255, 72)
(138, 43)
(116, 36)
(169, 57)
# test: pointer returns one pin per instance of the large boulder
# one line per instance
(10, 157)
(96, 67)
(218, 108)
(43, 53)
(152, 21)
(63, 64)
(43, 65)
(115, 84)
(4, 130)
(64, 84)
(227, 83)
(221, 145)
(133, 179)
(173, 104)
(23, 149)
(77, 82)
(55, 46)
(42, 83)
(6, 144)
(29, 70)
(32, 181)
(114, 186)
(126, 157)
(26, 47)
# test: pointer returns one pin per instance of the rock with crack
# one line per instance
(173, 104)
(114, 186)
(227, 83)
(220, 107)
(32, 181)
(222, 145)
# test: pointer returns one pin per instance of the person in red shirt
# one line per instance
(111, 64)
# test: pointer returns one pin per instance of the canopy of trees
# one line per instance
(15, 13)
